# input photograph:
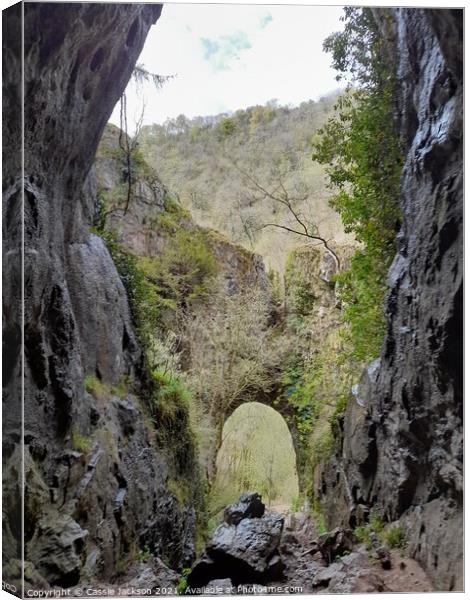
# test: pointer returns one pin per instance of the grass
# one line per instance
(392, 536)
(395, 537)
(80, 443)
(180, 490)
(95, 387)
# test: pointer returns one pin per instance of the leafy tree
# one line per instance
(361, 150)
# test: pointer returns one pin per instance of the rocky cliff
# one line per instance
(95, 471)
(400, 448)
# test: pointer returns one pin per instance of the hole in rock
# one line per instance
(257, 454)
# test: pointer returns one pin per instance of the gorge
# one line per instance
(114, 459)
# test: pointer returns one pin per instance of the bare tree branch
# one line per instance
(285, 201)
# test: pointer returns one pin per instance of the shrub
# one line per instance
(395, 537)
(182, 584)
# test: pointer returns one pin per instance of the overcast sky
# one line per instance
(227, 57)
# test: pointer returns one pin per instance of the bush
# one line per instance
(184, 271)
(395, 537)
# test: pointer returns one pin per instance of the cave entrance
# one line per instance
(257, 454)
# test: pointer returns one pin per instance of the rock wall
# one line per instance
(401, 443)
(95, 473)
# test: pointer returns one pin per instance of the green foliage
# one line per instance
(395, 537)
(316, 389)
(184, 270)
(360, 148)
(318, 517)
(202, 161)
(170, 396)
(297, 503)
(95, 387)
(170, 404)
(144, 554)
(256, 453)
(374, 528)
(80, 443)
(226, 127)
(140, 291)
(180, 490)
(182, 584)
(121, 388)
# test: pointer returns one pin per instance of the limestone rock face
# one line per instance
(401, 447)
(95, 476)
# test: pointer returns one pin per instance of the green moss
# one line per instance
(140, 291)
(144, 554)
(120, 389)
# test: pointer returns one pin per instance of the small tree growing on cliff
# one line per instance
(128, 144)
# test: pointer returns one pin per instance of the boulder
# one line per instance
(252, 542)
(244, 548)
(249, 505)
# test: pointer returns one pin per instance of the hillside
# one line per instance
(233, 172)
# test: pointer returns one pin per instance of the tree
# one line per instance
(127, 143)
(360, 148)
(232, 358)
(281, 196)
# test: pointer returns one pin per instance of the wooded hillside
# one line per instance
(235, 172)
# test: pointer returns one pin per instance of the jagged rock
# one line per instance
(336, 543)
(249, 505)
(382, 554)
(401, 445)
(153, 573)
(275, 568)
(350, 574)
(55, 549)
(77, 316)
(252, 541)
(127, 414)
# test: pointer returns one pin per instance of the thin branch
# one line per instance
(307, 235)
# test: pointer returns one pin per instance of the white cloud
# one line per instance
(228, 57)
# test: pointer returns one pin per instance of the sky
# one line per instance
(226, 57)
